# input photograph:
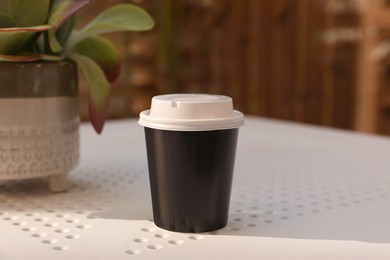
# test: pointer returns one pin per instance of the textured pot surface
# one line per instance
(39, 120)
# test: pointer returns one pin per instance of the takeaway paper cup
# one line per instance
(191, 144)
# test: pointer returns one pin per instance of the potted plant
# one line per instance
(39, 55)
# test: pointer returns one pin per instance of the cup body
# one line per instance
(190, 177)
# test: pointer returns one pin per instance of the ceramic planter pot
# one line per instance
(39, 121)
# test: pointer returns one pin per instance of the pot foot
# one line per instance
(58, 182)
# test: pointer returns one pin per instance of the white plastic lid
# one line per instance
(191, 112)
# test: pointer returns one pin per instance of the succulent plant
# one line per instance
(32, 30)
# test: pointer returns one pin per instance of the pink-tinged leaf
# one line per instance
(99, 89)
(103, 52)
(13, 40)
(111, 68)
(14, 58)
(97, 114)
(61, 11)
(28, 57)
(38, 28)
(111, 71)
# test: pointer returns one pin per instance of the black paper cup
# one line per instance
(191, 170)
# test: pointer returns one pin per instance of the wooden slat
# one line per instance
(253, 53)
(283, 59)
(276, 63)
(265, 58)
(233, 45)
(302, 51)
(328, 78)
(366, 114)
(315, 57)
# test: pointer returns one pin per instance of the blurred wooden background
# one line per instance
(301, 60)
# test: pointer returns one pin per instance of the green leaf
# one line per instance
(47, 57)
(19, 22)
(13, 40)
(64, 31)
(59, 13)
(20, 13)
(120, 17)
(103, 52)
(99, 90)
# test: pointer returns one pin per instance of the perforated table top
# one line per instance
(299, 192)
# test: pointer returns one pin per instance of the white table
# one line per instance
(299, 192)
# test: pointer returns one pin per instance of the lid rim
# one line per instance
(236, 115)
(191, 112)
